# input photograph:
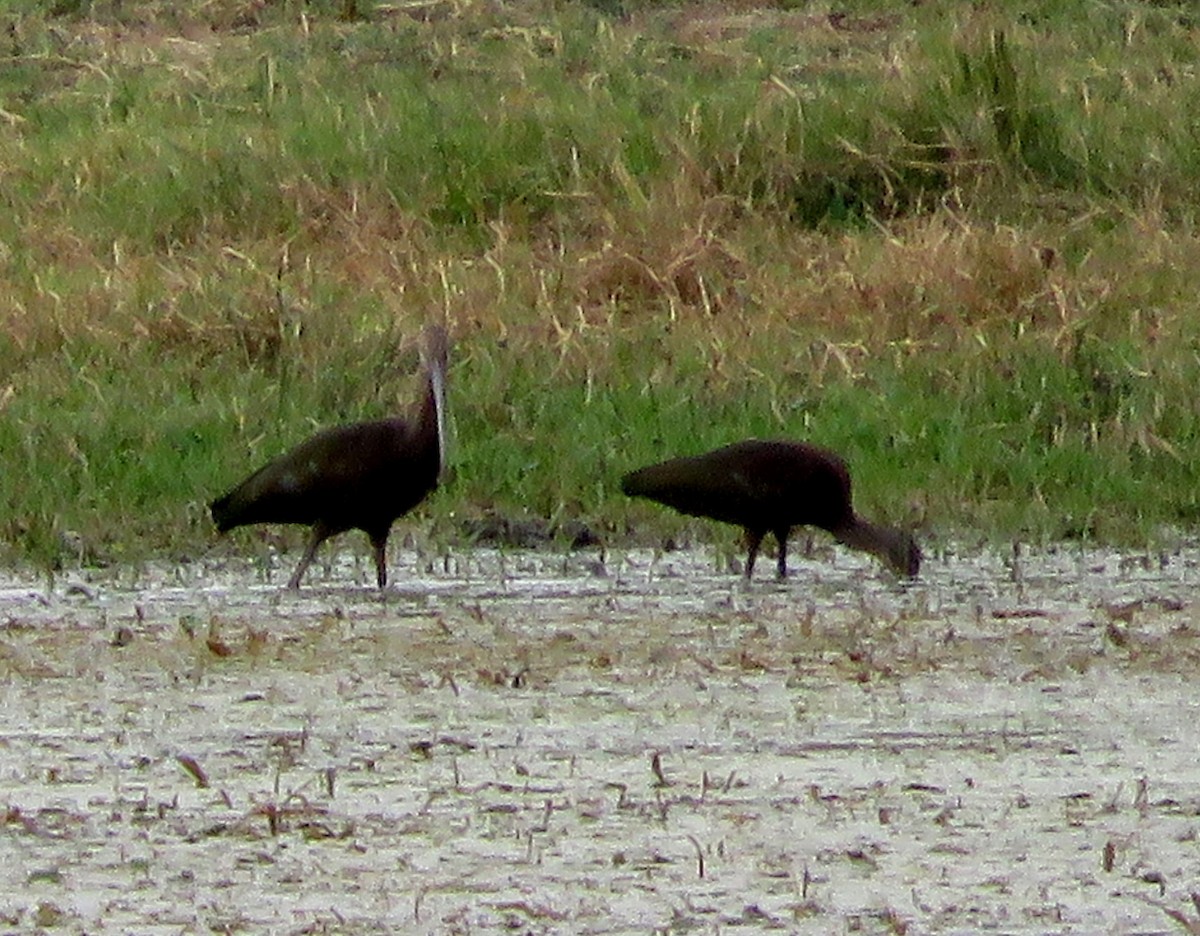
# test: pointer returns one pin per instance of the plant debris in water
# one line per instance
(551, 743)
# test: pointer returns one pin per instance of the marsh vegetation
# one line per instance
(961, 251)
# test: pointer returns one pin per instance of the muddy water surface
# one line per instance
(539, 743)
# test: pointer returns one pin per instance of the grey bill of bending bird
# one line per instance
(355, 477)
(770, 487)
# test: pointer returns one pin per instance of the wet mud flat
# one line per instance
(636, 743)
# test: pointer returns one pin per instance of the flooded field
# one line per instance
(637, 743)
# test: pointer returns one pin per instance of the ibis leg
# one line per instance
(316, 539)
(379, 547)
(781, 535)
(754, 539)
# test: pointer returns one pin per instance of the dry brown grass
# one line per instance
(933, 281)
(930, 280)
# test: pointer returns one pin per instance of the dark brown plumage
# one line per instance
(770, 487)
(356, 477)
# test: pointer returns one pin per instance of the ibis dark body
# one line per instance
(361, 476)
(771, 487)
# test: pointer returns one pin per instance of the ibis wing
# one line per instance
(323, 479)
(759, 485)
(705, 486)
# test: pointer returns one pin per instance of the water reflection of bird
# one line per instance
(356, 477)
(772, 487)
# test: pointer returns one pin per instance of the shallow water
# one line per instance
(630, 744)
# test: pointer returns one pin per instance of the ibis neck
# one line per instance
(887, 543)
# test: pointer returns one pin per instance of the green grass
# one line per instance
(962, 254)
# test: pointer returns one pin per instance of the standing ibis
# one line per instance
(355, 477)
(771, 487)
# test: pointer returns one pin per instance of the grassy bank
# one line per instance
(963, 254)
